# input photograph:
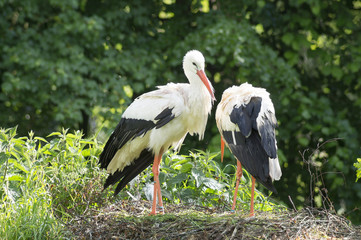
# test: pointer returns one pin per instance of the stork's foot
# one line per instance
(160, 209)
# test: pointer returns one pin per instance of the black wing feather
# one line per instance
(252, 148)
(126, 130)
(129, 172)
(164, 117)
(268, 137)
(245, 116)
(252, 156)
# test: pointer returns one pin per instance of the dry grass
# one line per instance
(130, 220)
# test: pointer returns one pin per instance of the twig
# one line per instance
(131, 196)
(294, 207)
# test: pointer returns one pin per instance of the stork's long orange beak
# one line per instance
(222, 148)
(206, 82)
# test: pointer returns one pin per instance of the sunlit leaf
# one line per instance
(15, 178)
(178, 179)
(54, 134)
(3, 136)
(86, 152)
(187, 194)
(18, 165)
(198, 176)
(13, 132)
(186, 167)
(41, 139)
(86, 142)
(213, 184)
(73, 136)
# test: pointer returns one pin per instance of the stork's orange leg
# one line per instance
(239, 176)
(222, 148)
(155, 169)
(160, 201)
(251, 214)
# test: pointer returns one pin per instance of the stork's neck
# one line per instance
(194, 80)
(199, 105)
(196, 83)
(199, 96)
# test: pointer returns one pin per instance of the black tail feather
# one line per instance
(129, 172)
(113, 178)
(252, 156)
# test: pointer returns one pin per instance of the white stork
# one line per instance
(246, 120)
(155, 121)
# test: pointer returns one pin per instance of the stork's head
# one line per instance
(193, 66)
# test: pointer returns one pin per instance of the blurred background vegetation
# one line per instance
(78, 63)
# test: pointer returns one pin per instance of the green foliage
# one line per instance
(199, 179)
(59, 60)
(73, 173)
(358, 169)
(26, 211)
(44, 182)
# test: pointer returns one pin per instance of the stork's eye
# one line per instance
(194, 64)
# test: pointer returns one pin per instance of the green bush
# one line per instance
(26, 211)
(43, 183)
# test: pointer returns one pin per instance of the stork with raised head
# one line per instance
(155, 121)
(246, 121)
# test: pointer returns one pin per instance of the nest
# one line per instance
(130, 220)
